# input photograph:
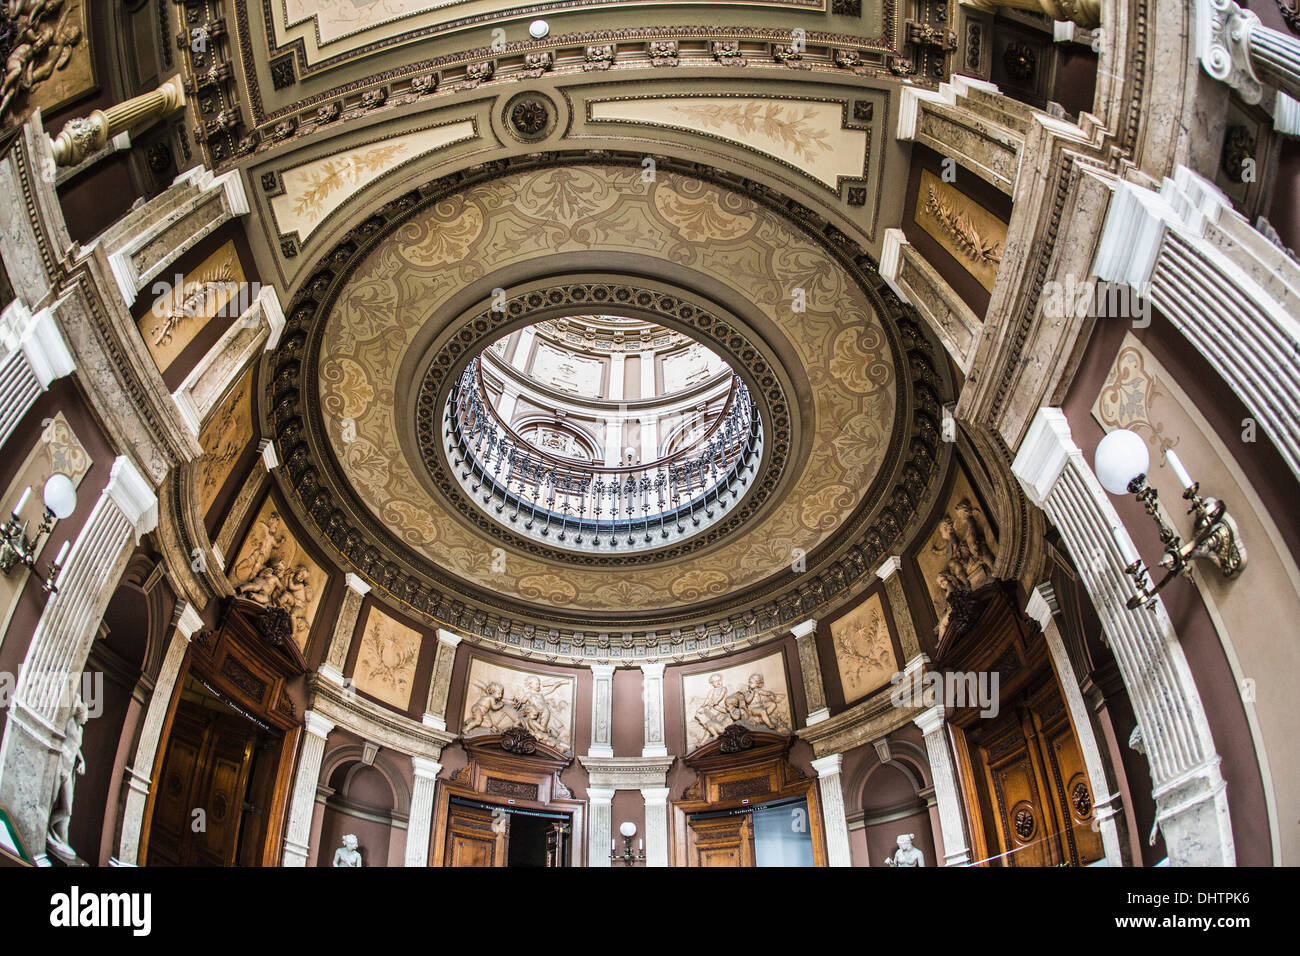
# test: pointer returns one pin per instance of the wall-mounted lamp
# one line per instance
(1121, 464)
(627, 857)
(16, 548)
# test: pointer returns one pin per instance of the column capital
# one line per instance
(269, 302)
(317, 725)
(1042, 606)
(1043, 455)
(600, 795)
(828, 766)
(355, 583)
(448, 637)
(186, 619)
(891, 566)
(133, 495)
(602, 671)
(655, 796)
(269, 458)
(804, 628)
(652, 669)
(1222, 45)
(425, 769)
(930, 720)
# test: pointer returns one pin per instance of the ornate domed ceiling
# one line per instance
(391, 322)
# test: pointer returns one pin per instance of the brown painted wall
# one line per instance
(1200, 642)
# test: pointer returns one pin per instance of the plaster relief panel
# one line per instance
(864, 653)
(498, 698)
(754, 695)
(961, 551)
(386, 662)
(224, 438)
(182, 311)
(967, 231)
(315, 189)
(568, 372)
(274, 570)
(807, 135)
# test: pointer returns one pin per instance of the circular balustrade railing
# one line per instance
(588, 506)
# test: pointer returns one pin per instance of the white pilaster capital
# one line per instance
(1132, 235)
(655, 796)
(436, 721)
(654, 671)
(269, 302)
(317, 725)
(804, 628)
(1043, 455)
(828, 766)
(183, 398)
(818, 715)
(930, 720)
(187, 620)
(891, 260)
(43, 345)
(355, 583)
(269, 458)
(602, 796)
(331, 674)
(449, 638)
(232, 183)
(1042, 605)
(909, 109)
(602, 671)
(133, 494)
(425, 769)
(890, 567)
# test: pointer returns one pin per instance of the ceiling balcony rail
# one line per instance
(584, 505)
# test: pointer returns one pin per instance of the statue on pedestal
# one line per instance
(348, 854)
(906, 854)
(71, 765)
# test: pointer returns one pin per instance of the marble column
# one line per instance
(1042, 607)
(419, 826)
(600, 826)
(83, 136)
(42, 702)
(952, 821)
(302, 802)
(656, 825)
(186, 622)
(602, 710)
(435, 710)
(1206, 268)
(652, 690)
(345, 624)
(810, 667)
(888, 572)
(834, 821)
(34, 356)
(1189, 789)
(1236, 48)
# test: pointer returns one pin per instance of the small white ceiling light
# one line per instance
(538, 29)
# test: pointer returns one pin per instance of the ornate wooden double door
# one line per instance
(482, 835)
(1036, 799)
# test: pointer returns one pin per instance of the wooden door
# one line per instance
(476, 837)
(721, 841)
(199, 810)
(1036, 799)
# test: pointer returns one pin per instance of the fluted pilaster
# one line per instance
(952, 823)
(419, 826)
(831, 787)
(298, 832)
(656, 825)
(600, 827)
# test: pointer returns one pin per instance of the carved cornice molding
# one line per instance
(627, 773)
(866, 721)
(374, 722)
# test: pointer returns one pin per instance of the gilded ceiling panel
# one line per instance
(728, 238)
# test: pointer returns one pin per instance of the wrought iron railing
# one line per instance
(591, 506)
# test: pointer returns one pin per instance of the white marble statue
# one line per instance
(71, 765)
(348, 854)
(906, 854)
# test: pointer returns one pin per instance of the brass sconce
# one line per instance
(16, 548)
(627, 857)
(1121, 464)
